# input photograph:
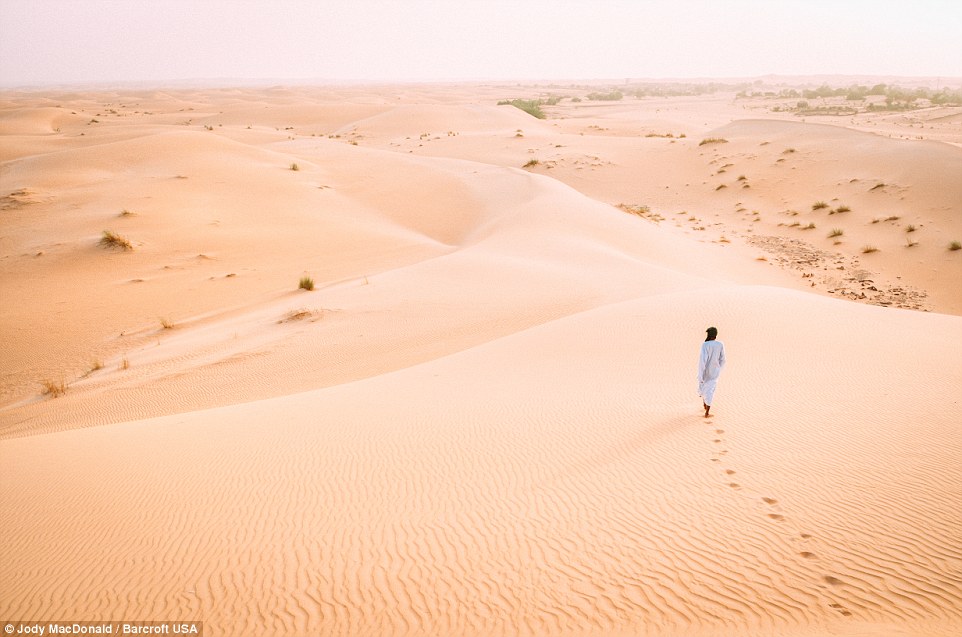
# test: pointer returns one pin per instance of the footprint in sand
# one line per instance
(808, 555)
(778, 517)
(841, 609)
(719, 431)
(734, 485)
(716, 440)
(805, 536)
(769, 500)
(729, 472)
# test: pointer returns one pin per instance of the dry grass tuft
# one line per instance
(113, 240)
(818, 205)
(713, 140)
(52, 388)
(300, 314)
(836, 232)
(955, 245)
(530, 163)
(869, 249)
(295, 167)
(166, 323)
(306, 283)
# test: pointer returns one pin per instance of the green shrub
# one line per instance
(531, 107)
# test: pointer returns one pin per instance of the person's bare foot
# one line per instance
(707, 409)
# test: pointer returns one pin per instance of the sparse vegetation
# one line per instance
(166, 323)
(836, 232)
(306, 283)
(840, 210)
(641, 211)
(818, 205)
(531, 107)
(868, 249)
(530, 163)
(127, 213)
(713, 140)
(124, 363)
(54, 389)
(112, 240)
(298, 315)
(810, 226)
(613, 96)
(295, 167)
(910, 228)
(955, 245)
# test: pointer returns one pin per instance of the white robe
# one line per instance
(710, 364)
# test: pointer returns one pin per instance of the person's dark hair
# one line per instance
(712, 333)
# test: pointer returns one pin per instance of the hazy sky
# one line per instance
(68, 41)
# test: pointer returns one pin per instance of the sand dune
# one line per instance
(483, 419)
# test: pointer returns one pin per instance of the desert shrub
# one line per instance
(955, 245)
(113, 240)
(306, 283)
(836, 232)
(530, 163)
(818, 205)
(841, 209)
(712, 140)
(869, 249)
(531, 107)
(613, 96)
(295, 167)
(53, 388)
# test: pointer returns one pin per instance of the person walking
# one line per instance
(710, 364)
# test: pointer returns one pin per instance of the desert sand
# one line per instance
(483, 419)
